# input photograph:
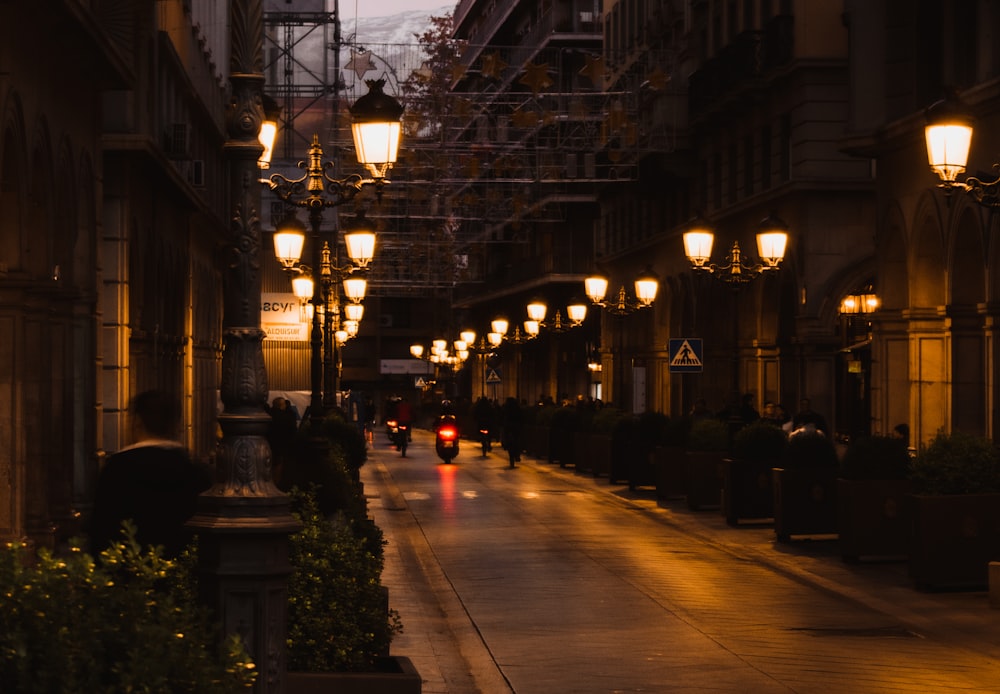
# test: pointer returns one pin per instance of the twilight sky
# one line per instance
(382, 8)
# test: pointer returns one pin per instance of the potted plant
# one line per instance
(562, 425)
(874, 480)
(805, 487)
(536, 430)
(669, 460)
(955, 512)
(339, 622)
(63, 627)
(649, 431)
(592, 439)
(747, 487)
(707, 446)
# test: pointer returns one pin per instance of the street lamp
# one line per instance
(948, 133)
(772, 239)
(376, 129)
(646, 287)
(576, 311)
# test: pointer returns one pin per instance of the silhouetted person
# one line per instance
(153, 482)
(513, 426)
(807, 418)
(281, 435)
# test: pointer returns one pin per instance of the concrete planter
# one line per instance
(398, 676)
(953, 539)
(536, 440)
(747, 490)
(704, 479)
(805, 501)
(670, 470)
(872, 519)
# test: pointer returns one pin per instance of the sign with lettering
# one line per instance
(282, 317)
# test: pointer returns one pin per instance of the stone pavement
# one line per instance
(448, 649)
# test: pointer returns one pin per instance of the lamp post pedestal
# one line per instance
(244, 520)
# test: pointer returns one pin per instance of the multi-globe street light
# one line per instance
(376, 129)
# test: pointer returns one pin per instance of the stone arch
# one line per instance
(37, 236)
(890, 380)
(967, 291)
(85, 248)
(928, 340)
(13, 164)
(927, 287)
(892, 276)
(65, 218)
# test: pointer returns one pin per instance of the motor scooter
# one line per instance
(485, 439)
(446, 438)
(399, 434)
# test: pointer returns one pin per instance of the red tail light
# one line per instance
(448, 433)
(390, 423)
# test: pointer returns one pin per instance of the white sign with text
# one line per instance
(282, 317)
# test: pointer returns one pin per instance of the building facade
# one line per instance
(112, 211)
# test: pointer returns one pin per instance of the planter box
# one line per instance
(873, 519)
(747, 490)
(805, 502)
(561, 446)
(536, 440)
(670, 471)
(592, 452)
(704, 479)
(953, 539)
(398, 677)
(600, 454)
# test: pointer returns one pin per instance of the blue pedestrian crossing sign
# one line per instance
(685, 355)
(492, 376)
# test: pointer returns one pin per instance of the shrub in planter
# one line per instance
(805, 487)
(130, 623)
(955, 511)
(747, 476)
(650, 431)
(876, 458)
(561, 427)
(338, 619)
(598, 441)
(333, 477)
(871, 517)
(670, 460)
(957, 463)
(707, 447)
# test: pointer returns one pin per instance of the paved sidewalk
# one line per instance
(449, 652)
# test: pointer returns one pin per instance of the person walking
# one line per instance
(153, 482)
(513, 425)
(281, 436)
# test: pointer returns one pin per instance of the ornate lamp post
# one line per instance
(772, 238)
(646, 287)
(736, 271)
(376, 130)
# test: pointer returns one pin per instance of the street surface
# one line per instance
(539, 580)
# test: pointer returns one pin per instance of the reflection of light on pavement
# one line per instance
(530, 495)
(446, 473)
(416, 496)
(470, 494)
